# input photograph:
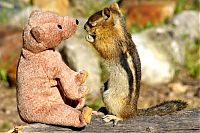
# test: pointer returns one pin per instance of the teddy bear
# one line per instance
(48, 91)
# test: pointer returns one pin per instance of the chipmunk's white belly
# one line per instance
(116, 94)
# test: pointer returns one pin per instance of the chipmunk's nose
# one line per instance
(77, 22)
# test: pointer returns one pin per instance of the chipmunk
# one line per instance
(108, 34)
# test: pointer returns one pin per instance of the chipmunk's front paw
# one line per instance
(115, 119)
(90, 38)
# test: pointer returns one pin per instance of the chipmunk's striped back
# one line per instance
(108, 34)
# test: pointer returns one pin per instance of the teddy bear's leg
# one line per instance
(78, 104)
(57, 114)
(81, 103)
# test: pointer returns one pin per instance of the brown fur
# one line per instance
(113, 43)
(48, 91)
(108, 34)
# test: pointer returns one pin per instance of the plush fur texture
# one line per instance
(48, 91)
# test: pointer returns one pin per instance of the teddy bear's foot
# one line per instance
(87, 114)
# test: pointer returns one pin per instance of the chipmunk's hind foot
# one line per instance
(115, 119)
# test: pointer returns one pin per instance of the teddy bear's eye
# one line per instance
(59, 26)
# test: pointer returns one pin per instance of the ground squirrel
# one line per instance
(108, 34)
(48, 91)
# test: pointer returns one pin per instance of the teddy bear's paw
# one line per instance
(81, 103)
(84, 90)
(81, 77)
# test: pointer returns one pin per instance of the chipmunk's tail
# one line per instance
(163, 108)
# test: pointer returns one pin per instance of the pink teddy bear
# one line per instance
(48, 91)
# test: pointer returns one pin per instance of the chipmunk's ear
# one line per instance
(106, 13)
(37, 33)
(115, 6)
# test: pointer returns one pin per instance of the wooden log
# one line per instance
(186, 121)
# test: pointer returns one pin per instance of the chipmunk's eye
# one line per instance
(59, 26)
(89, 24)
(92, 24)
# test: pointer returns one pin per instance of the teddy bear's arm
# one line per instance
(69, 80)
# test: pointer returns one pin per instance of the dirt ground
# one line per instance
(185, 89)
(8, 109)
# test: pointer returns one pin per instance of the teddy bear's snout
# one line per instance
(77, 22)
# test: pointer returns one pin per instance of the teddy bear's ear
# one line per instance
(37, 33)
(33, 13)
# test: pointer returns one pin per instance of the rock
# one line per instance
(5, 4)
(189, 94)
(197, 94)
(160, 48)
(59, 6)
(79, 55)
(187, 24)
(155, 50)
(141, 13)
(87, 7)
(186, 29)
(25, 2)
(20, 18)
(178, 88)
(10, 49)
